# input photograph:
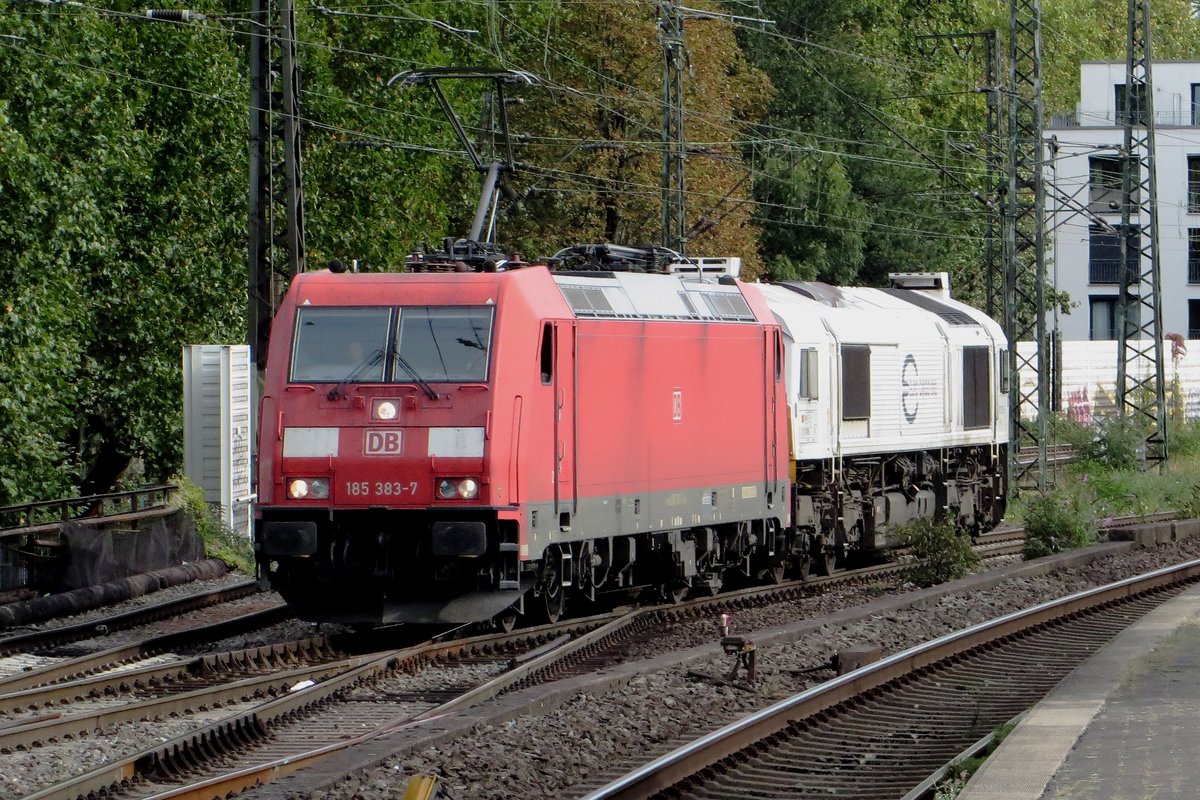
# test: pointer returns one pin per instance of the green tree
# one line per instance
(122, 189)
(597, 133)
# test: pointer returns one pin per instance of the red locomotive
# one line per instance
(454, 446)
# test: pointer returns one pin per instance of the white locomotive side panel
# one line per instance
(916, 365)
(919, 396)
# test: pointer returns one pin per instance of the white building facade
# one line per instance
(1084, 162)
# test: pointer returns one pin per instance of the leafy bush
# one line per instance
(219, 539)
(1056, 522)
(1184, 439)
(938, 552)
(1110, 442)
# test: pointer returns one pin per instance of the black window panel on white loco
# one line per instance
(808, 374)
(856, 381)
(1193, 319)
(977, 388)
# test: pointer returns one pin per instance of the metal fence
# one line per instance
(29, 552)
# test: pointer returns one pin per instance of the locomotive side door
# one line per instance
(773, 344)
(565, 433)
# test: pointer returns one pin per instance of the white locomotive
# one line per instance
(897, 403)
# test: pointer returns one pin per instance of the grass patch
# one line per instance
(219, 539)
(960, 772)
(1108, 481)
(1056, 522)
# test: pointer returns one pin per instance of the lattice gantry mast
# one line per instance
(1025, 250)
(670, 23)
(276, 241)
(1140, 385)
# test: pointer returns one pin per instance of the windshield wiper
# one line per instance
(356, 373)
(412, 373)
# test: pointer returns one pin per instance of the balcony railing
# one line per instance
(1105, 270)
(1098, 119)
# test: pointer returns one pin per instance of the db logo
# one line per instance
(677, 405)
(383, 443)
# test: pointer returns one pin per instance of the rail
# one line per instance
(707, 754)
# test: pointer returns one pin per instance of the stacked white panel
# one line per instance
(218, 413)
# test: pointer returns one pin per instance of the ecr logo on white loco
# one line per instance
(383, 443)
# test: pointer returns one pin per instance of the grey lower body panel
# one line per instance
(651, 512)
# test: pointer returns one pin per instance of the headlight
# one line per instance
(458, 488)
(308, 489)
(385, 410)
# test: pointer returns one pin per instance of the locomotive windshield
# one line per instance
(334, 344)
(446, 344)
(377, 345)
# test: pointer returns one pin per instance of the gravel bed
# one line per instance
(134, 603)
(432, 678)
(26, 771)
(553, 755)
(542, 756)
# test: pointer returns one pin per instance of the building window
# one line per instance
(1193, 255)
(1196, 103)
(1103, 318)
(1106, 318)
(1131, 104)
(1104, 256)
(1193, 186)
(1105, 177)
(1194, 319)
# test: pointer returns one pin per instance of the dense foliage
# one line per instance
(836, 142)
(936, 552)
(1056, 522)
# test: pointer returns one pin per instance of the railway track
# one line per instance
(50, 713)
(880, 731)
(46, 637)
(378, 696)
(374, 697)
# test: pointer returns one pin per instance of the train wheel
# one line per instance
(506, 620)
(554, 594)
(555, 605)
(804, 567)
(674, 592)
